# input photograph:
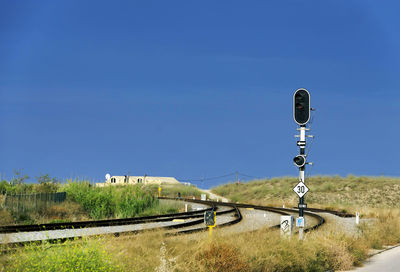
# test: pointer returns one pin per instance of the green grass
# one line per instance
(126, 200)
(112, 201)
(86, 255)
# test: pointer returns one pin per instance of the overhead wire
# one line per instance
(208, 178)
(221, 176)
(249, 176)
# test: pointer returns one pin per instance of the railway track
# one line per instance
(101, 223)
(178, 223)
(172, 222)
(281, 211)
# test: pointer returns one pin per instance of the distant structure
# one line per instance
(124, 180)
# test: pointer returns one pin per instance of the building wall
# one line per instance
(121, 180)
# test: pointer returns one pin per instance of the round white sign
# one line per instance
(108, 176)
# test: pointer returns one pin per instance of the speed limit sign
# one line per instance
(300, 189)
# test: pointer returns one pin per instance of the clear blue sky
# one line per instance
(197, 88)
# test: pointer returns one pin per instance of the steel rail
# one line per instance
(282, 211)
(101, 223)
(118, 222)
(337, 213)
(238, 216)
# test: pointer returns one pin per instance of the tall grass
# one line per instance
(112, 201)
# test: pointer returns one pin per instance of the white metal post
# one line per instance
(302, 176)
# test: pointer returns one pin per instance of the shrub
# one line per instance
(46, 184)
(221, 257)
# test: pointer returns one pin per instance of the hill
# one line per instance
(325, 191)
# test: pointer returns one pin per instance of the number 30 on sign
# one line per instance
(300, 189)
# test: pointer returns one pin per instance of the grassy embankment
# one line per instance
(263, 250)
(333, 192)
(86, 202)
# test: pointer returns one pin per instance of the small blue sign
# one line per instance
(300, 222)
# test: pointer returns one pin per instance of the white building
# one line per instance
(123, 180)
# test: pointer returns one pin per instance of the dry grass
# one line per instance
(262, 250)
(63, 212)
(5, 217)
(66, 211)
(334, 192)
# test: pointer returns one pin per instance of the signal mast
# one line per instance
(301, 115)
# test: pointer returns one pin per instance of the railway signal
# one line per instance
(301, 115)
(210, 220)
(301, 106)
(299, 160)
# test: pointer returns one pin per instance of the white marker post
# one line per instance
(286, 225)
(357, 218)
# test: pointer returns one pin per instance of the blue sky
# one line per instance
(197, 89)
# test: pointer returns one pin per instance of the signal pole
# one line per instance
(301, 115)
(302, 170)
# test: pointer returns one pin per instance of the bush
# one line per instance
(222, 257)
(46, 184)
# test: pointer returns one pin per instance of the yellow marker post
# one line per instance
(159, 191)
(210, 231)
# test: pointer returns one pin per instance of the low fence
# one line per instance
(27, 202)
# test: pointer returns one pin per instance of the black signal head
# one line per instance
(301, 106)
(299, 160)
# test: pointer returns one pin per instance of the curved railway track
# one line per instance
(101, 223)
(281, 211)
(56, 231)
(19, 234)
